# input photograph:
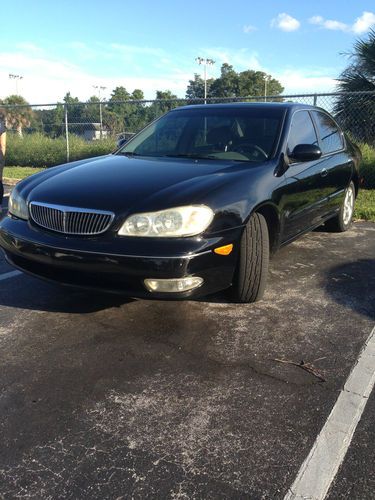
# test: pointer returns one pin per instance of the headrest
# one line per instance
(219, 135)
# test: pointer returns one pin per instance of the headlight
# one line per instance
(180, 221)
(17, 205)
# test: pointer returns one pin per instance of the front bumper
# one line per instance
(117, 264)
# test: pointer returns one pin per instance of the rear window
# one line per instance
(330, 135)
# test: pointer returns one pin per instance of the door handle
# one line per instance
(324, 172)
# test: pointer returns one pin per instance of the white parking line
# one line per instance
(11, 274)
(321, 465)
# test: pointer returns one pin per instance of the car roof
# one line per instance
(242, 105)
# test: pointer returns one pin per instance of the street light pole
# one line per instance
(99, 88)
(17, 78)
(267, 78)
(206, 62)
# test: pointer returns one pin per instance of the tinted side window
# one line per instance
(330, 135)
(302, 131)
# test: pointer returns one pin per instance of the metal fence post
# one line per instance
(315, 99)
(101, 120)
(66, 131)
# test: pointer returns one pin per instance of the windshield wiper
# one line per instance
(193, 157)
(128, 153)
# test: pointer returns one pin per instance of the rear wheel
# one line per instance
(343, 220)
(252, 268)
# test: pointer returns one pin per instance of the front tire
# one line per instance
(343, 220)
(252, 268)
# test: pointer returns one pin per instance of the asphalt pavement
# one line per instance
(104, 397)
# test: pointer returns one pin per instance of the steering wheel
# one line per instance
(247, 147)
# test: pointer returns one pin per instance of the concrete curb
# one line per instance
(10, 182)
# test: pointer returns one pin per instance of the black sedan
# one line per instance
(193, 204)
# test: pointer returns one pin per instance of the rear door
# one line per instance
(335, 162)
(305, 193)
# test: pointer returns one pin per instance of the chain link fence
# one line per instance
(49, 134)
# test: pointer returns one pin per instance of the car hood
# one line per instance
(122, 184)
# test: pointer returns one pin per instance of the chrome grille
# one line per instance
(70, 220)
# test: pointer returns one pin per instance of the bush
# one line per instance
(38, 150)
(367, 167)
(365, 205)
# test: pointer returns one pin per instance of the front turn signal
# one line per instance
(225, 250)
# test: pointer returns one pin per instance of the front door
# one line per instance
(306, 182)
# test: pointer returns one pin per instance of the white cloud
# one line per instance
(329, 24)
(29, 47)
(316, 20)
(130, 51)
(249, 28)
(240, 59)
(305, 81)
(84, 51)
(335, 25)
(364, 22)
(361, 25)
(48, 79)
(285, 22)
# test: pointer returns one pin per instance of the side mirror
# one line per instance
(120, 142)
(306, 152)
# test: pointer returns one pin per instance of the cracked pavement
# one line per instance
(103, 397)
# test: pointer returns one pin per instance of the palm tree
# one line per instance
(18, 113)
(356, 112)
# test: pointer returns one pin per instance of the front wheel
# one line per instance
(252, 268)
(343, 220)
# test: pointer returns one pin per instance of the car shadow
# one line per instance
(353, 285)
(37, 295)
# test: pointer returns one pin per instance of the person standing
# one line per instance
(2, 155)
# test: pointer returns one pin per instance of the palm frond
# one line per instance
(364, 52)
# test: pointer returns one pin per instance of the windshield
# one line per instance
(217, 133)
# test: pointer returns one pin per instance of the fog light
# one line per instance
(173, 285)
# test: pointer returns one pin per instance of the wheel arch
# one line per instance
(271, 214)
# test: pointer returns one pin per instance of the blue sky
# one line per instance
(72, 45)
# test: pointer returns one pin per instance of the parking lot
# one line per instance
(104, 397)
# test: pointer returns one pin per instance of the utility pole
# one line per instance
(206, 62)
(17, 78)
(99, 88)
(267, 78)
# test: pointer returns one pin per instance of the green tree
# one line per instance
(51, 121)
(227, 85)
(233, 84)
(253, 83)
(123, 115)
(137, 95)
(75, 109)
(195, 88)
(159, 108)
(356, 112)
(118, 99)
(91, 110)
(165, 94)
(137, 115)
